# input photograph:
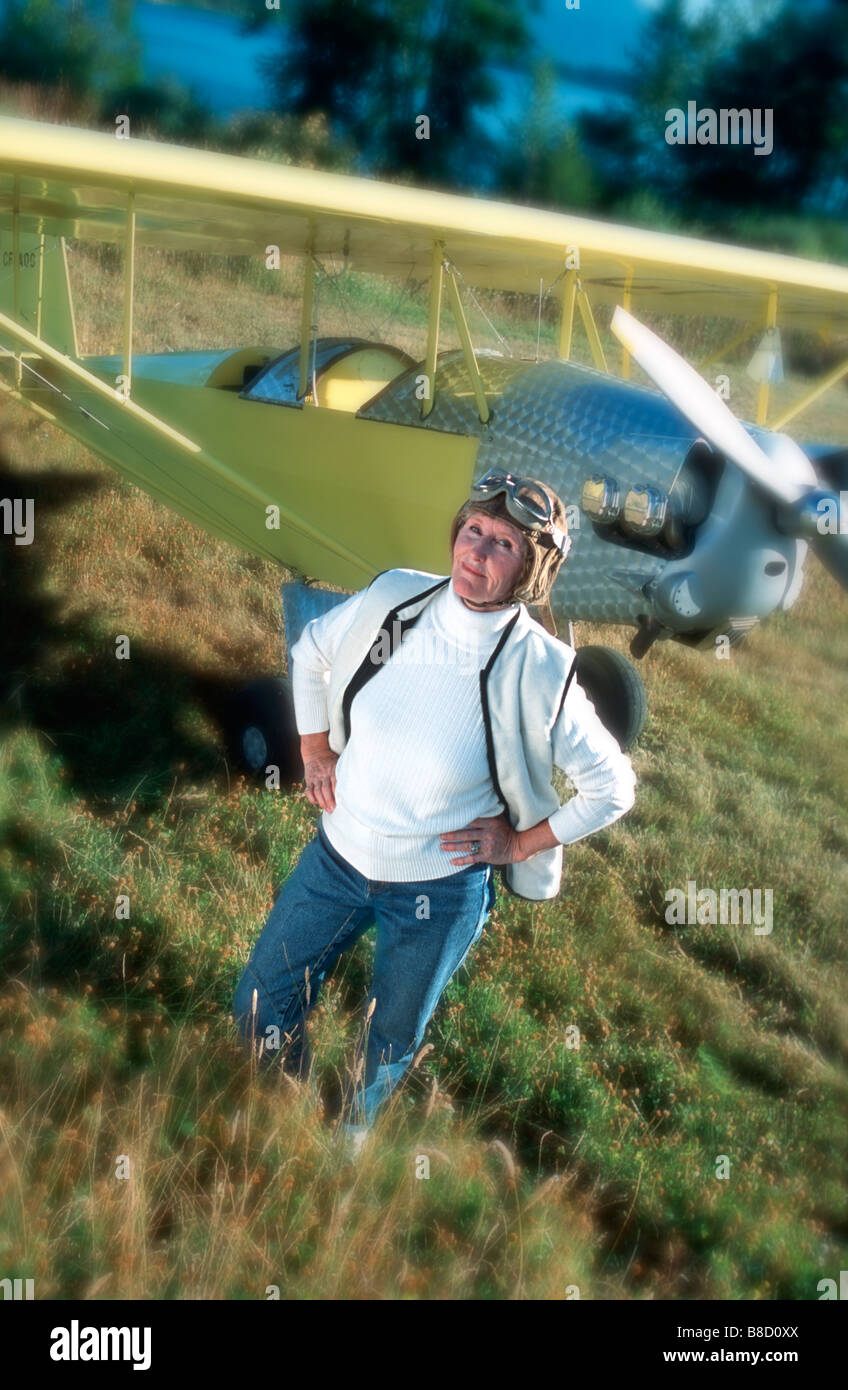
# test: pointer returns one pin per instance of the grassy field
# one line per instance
(551, 1168)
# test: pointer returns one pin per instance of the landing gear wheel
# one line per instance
(616, 690)
(262, 729)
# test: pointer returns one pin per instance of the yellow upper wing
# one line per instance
(75, 183)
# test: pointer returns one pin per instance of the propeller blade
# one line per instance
(786, 481)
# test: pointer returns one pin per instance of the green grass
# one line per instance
(550, 1165)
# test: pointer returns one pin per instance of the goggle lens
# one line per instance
(534, 500)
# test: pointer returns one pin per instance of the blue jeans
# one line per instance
(424, 932)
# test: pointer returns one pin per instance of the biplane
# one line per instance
(340, 457)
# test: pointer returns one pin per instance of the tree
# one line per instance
(375, 67)
(796, 65)
(55, 41)
(542, 161)
(774, 55)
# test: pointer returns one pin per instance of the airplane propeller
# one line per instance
(788, 476)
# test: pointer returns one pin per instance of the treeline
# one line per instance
(91, 59)
(348, 80)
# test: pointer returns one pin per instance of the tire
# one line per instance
(262, 730)
(616, 690)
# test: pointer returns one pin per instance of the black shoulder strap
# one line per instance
(569, 678)
(487, 722)
(391, 633)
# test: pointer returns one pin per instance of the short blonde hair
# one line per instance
(542, 559)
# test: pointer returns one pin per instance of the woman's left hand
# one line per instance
(497, 842)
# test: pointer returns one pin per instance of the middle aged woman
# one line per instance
(431, 711)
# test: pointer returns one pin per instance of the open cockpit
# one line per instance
(343, 373)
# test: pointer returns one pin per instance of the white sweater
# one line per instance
(416, 764)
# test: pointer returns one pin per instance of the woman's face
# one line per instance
(488, 557)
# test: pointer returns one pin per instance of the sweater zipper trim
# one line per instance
(487, 723)
(393, 630)
(569, 678)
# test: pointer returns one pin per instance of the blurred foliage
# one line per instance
(375, 66)
(59, 41)
(305, 141)
(787, 58)
(541, 161)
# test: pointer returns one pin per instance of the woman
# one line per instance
(429, 776)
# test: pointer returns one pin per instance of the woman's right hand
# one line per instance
(319, 771)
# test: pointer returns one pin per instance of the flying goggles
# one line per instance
(525, 501)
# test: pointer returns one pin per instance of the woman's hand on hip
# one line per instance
(487, 840)
(319, 771)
